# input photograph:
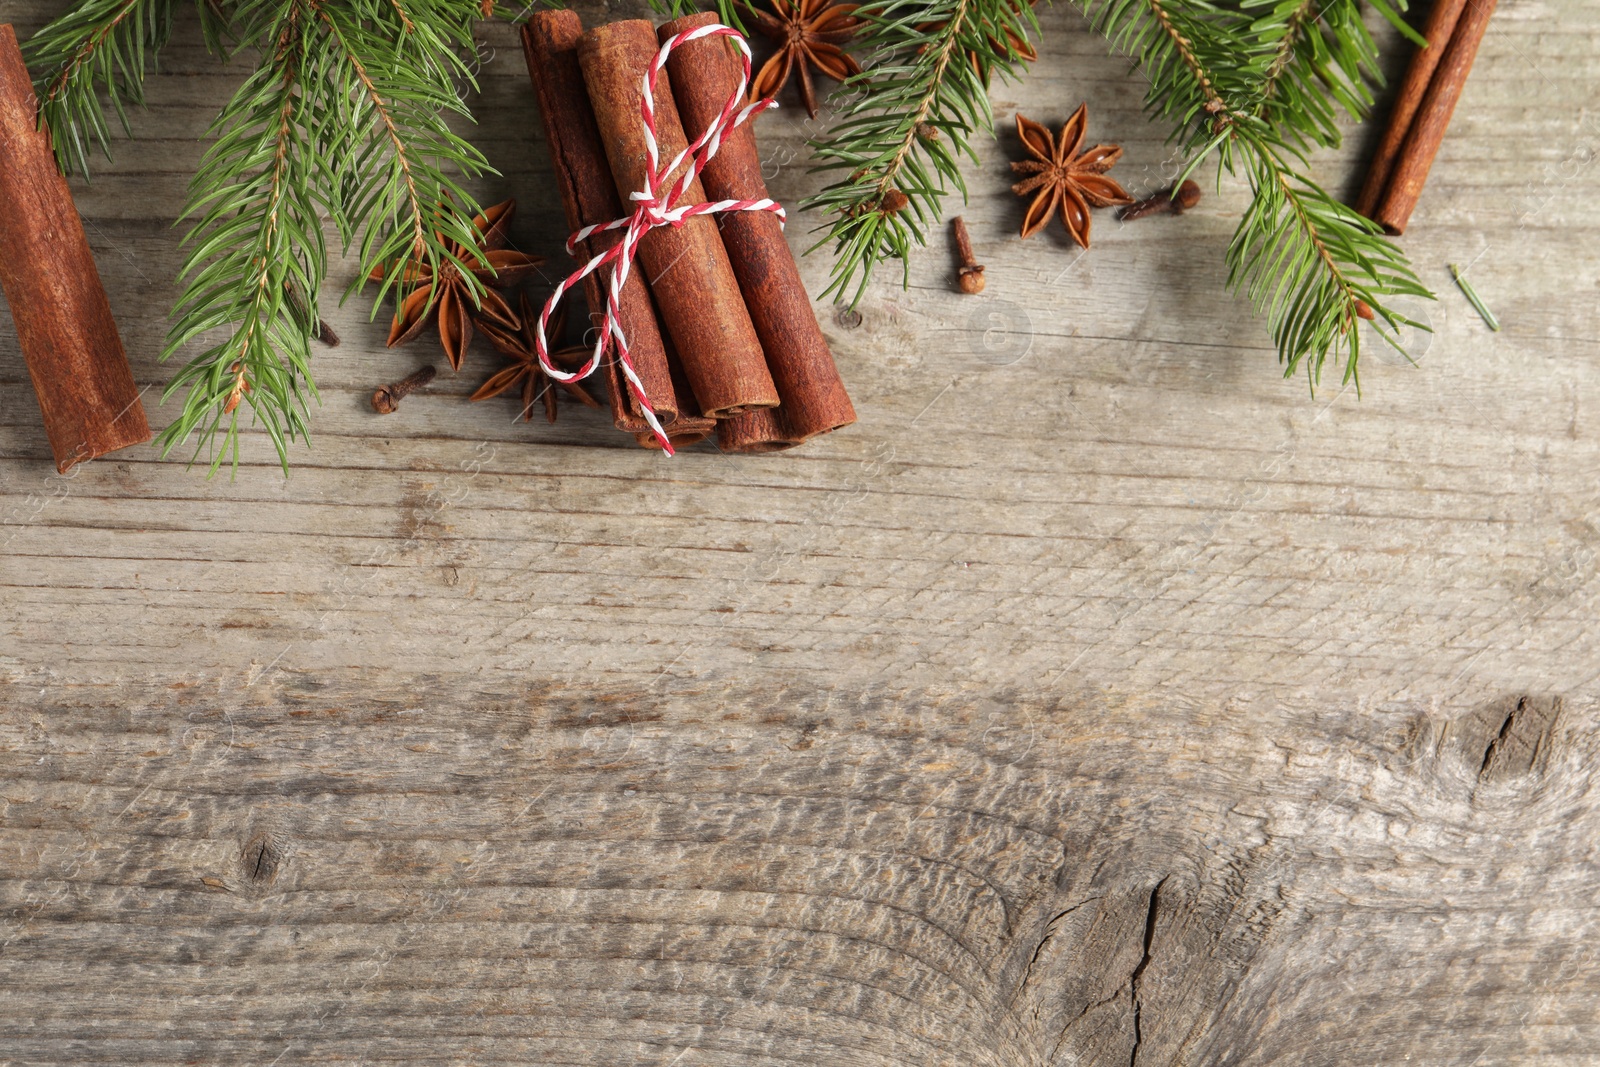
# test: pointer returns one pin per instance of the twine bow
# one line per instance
(653, 208)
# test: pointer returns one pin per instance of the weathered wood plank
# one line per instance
(1098, 699)
(333, 867)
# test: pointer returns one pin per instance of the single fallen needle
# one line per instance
(387, 397)
(969, 272)
(1167, 202)
(1473, 298)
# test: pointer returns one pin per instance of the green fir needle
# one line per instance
(1473, 298)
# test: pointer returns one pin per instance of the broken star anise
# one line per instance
(1063, 180)
(445, 295)
(809, 33)
(521, 347)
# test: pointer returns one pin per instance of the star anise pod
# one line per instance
(808, 33)
(520, 345)
(446, 297)
(1062, 179)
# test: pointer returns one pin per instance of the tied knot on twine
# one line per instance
(652, 208)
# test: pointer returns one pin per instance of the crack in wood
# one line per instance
(261, 858)
(1138, 971)
(1499, 738)
(1519, 737)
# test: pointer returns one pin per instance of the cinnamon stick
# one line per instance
(588, 195)
(691, 427)
(813, 399)
(756, 431)
(1432, 119)
(686, 266)
(1441, 24)
(63, 319)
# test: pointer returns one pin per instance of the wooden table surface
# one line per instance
(1099, 698)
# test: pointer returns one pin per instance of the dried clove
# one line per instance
(387, 397)
(1167, 202)
(969, 273)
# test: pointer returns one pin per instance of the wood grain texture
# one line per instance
(1098, 698)
(333, 868)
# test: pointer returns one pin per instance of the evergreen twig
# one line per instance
(98, 52)
(1261, 84)
(727, 10)
(345, 116)
(906, 122)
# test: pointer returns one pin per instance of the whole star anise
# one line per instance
(808, 33)
(446, 297)
(521, 347)
(1063, 180)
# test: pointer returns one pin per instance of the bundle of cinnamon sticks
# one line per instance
(1427, 99)
(720, 329)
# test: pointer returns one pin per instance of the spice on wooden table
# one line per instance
(1064, 180)
(1441, 25)
(521, 347)
(386, 398)
(686, 266)
(812, 397)
(589, 197)
(969, 272)
(63, 319)
(1167, 202)
(690, 427)
(808, 33)
(1432, 119)
(444, 294)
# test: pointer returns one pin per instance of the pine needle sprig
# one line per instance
(1260, 84)
(399, 66)
(259, 234)
(95, 54)
(904, 125)
(348, 116)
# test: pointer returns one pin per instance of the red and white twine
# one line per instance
(653, 208)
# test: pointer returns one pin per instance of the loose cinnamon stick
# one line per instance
(1432, 119)
(1441, 24)
(589, 196)
(686, 266)
(813, 399)
(63, 319)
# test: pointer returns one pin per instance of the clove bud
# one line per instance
(969, 272)
(1167, 202)
(387, 397)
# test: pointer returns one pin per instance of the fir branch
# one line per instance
(100, 48)
(1260, 87)
(1314, 267)
(258, 216)
(347, 115)
(1324, 61)
(905, 124)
